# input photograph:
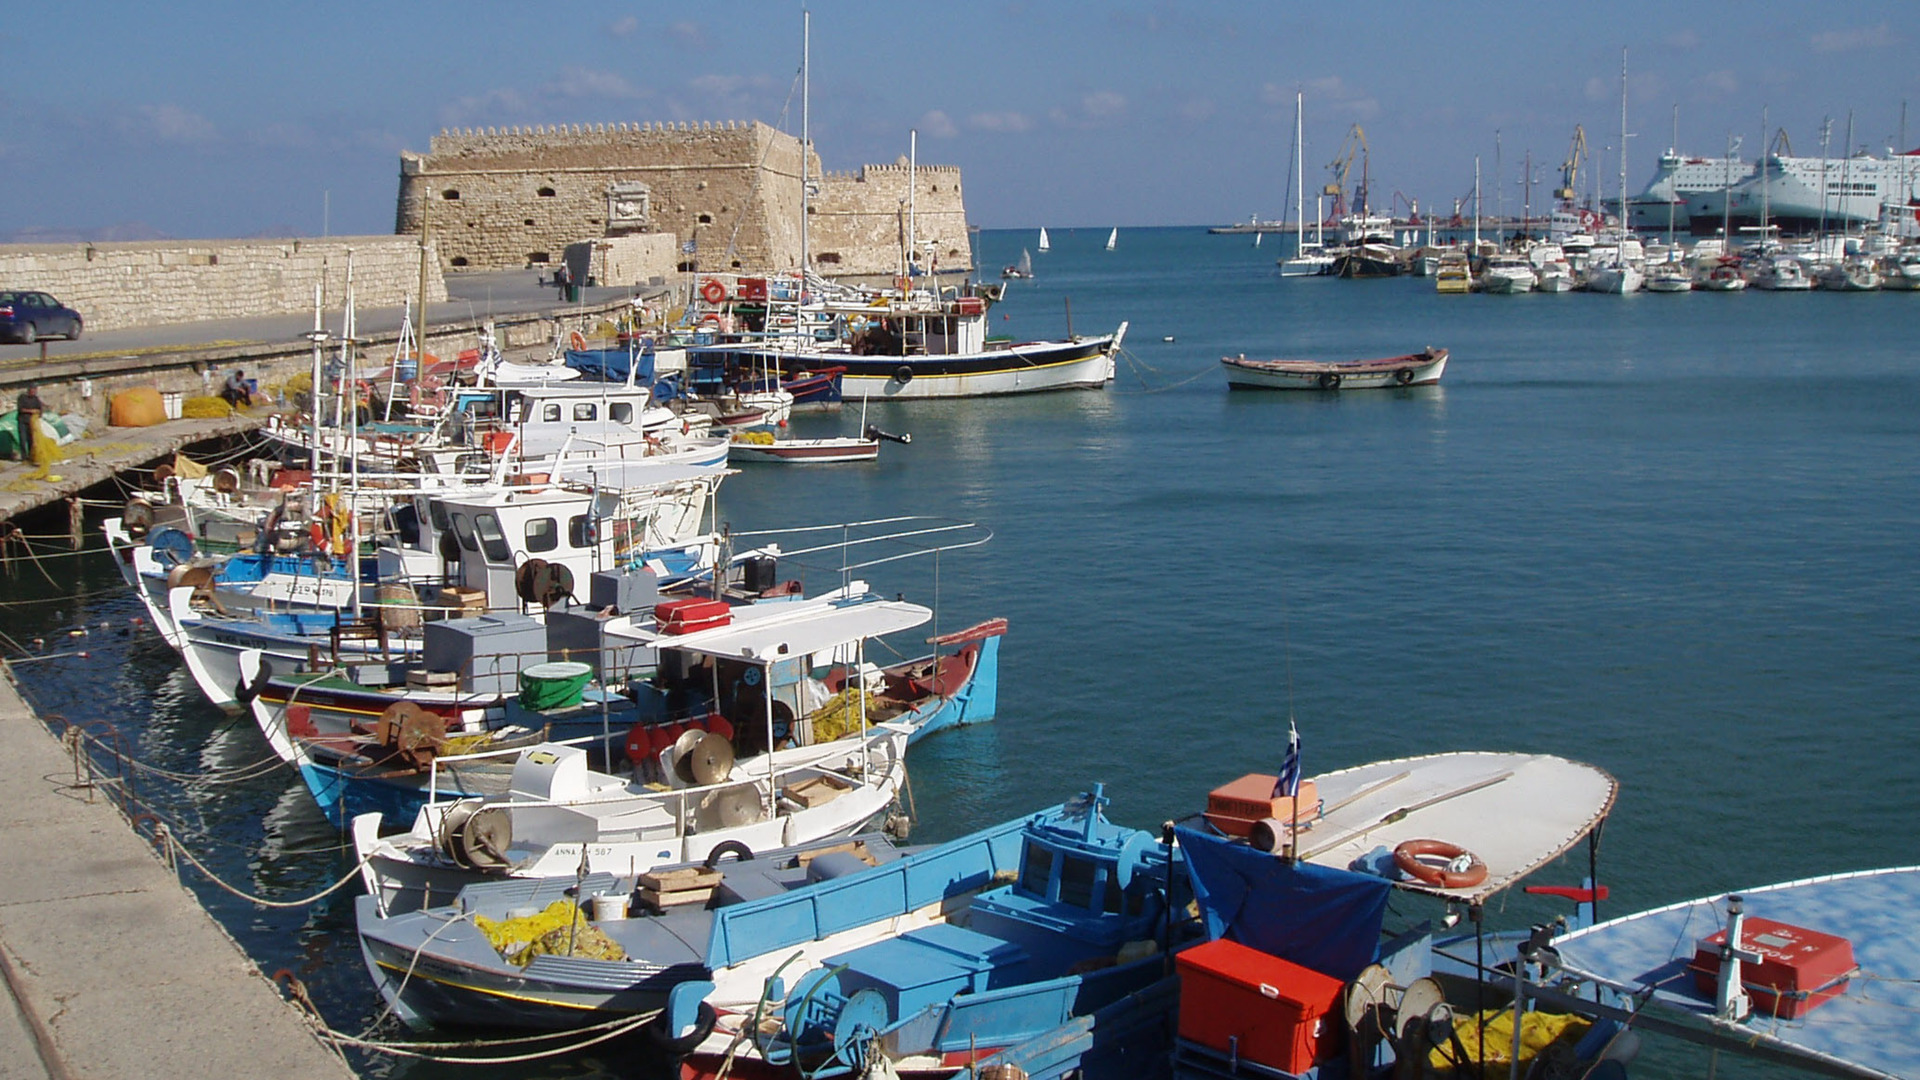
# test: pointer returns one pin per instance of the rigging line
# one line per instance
(397, 1049)
(171, 846)
(754, 188)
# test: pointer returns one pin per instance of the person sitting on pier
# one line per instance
(236, 392)
(29, 408)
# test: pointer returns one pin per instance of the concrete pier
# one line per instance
(109, 967)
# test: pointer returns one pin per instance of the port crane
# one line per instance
(1342, 168)
(1570, 169)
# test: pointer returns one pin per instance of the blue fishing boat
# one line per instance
(941, 959)
(1824, 973)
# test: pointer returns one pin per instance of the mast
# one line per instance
(1623, 141)
(1499, 192)
(1673, 191)
(1765, 180)
(1300, 175)
(806, 145)
(913, 167)
(1476, 206)
(1826, 140)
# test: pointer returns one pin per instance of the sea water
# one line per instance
(1669, 535)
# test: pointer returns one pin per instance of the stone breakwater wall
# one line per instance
(727, 194)
(155, 283)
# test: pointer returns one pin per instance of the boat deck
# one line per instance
(1869, 1030)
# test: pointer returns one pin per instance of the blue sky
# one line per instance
(232, 119)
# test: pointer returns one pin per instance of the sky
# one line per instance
(225, 119)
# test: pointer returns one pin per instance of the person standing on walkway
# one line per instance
(561, 279)
(29, 408)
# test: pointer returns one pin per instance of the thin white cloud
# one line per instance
(1683, 40)
(1723, 82)
(1860, 37)
(1103, 103)
(173, 124)
(1002, 122)
(624, 26)
(1341, 100)
(1196, 110)
(690, 34)
(578, 82)
(939, 125)
(1101, 108)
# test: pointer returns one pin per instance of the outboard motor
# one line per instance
(875, 433)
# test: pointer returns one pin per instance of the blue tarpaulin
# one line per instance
(1320, 918)
(611, 365)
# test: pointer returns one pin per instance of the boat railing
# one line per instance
(922, 535)
(810, 760)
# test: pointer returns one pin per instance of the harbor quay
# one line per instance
(110, 966)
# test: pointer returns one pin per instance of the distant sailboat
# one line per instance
(1112, 238)
(1021, 269)
(1044, 246)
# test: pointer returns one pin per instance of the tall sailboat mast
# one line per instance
(1299, 176)
(1623, 140)
(806, 146)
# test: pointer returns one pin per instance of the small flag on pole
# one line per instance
(1289, 782)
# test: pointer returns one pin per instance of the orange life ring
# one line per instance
(1408, 858)
(712, 291)
(578, 341)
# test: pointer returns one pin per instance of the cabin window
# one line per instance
(493, 542)
(543, 534)
(585, 410)
(437, 513)
(580, 531)
(1037, 870)
(1112, 896)
(1076, 881)
(550, 412)
(620, 412)
(463, 529)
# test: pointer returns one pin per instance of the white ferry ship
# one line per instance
(1800, 194)
(1687, 185)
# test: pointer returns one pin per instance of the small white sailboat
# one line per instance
(1113, 238)
(1021, 269)
(1044, 245)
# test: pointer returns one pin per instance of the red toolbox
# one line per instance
(1798, 968)
(1260, 1008)
(691, 614)
(753, 288)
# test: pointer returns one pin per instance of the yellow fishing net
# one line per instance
(205, 408)
(560, 930)
(1538, 1033)
(840, 716)
(758, 438)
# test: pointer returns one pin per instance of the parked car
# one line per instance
(27, 317)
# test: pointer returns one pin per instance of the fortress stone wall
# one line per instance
(727, 193)
(155, 283)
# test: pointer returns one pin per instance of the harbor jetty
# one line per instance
(111, 966)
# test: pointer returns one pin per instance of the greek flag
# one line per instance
(1289, 782)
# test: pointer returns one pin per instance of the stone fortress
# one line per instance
(628, 203)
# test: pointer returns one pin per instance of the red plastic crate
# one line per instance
(691, 614)
(1268, 1011)
(1798, 968)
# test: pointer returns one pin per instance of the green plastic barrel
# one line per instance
(556, 685)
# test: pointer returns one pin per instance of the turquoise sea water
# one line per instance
(1672, 536)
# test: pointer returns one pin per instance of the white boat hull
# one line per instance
(1417, 369)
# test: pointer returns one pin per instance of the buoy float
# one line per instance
(1408, 857)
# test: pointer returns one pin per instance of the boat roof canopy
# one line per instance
(780, 631)
(1516, 812)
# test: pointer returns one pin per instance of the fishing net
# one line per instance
(1541, 1035)
(840, 716)
(757, 438)
(205, 408)
(560, 930)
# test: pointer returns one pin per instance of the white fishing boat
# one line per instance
(1900, 271)
(1853, 274)
(1414, 369)
(1507, 274)
(1614, 277)
(1021, 269)
(1669, 276)
(1454, 275)
(1723, 276)
(1781, 273)
(1821, 972)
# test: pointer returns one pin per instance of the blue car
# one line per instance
(26, 317)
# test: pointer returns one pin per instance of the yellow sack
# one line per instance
(1538, 1032)
(139, 406)
(186, 468)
